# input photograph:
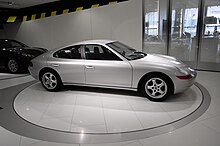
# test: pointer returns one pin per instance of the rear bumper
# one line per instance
(33, 72)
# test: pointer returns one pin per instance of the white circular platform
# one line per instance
(95, 110)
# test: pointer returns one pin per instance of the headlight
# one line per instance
(183, 71)
(175, 62)
(191, 69)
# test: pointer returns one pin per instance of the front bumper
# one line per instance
(183, 84)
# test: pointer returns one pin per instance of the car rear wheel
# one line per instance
(51, 81)
(156, 88)
(13, 66)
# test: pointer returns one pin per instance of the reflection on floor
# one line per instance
(201, 132)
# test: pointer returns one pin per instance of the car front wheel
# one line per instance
(51, 81)
(156, 88)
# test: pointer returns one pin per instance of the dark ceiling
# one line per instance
(57, 6)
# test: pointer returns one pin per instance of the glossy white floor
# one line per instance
(202, 132)
(96, 111)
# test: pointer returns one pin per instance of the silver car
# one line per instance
(111, 64)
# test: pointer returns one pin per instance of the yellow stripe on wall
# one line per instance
(42, 15)
(114, 2)
(79, 8)
(94, 6)
(65, 11)
(24, 18)
(54, 13)
(33, 17)
(12, 19)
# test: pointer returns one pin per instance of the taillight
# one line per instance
(186, 77)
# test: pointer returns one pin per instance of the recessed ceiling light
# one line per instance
(11, 3)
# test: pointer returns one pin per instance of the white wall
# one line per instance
(122, 21)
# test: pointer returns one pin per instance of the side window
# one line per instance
(98, 52)
(72, 52)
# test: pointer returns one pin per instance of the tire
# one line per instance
(13, 66)
(51, 81)
(157, 87)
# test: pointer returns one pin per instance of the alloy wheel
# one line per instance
(156, 88)
(49, 80)
(13, 65)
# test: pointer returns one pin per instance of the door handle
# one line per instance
(89, 67)
(55, 65)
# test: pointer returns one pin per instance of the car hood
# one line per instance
(158, 59)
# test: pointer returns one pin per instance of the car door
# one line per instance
(103, 67)
(69, 64)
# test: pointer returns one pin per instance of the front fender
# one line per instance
(139, 71)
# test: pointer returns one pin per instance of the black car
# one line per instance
(15, 56)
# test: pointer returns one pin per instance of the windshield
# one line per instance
(11, 44)
(126, 51)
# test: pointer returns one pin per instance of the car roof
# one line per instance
(103, 42)
(99, 42)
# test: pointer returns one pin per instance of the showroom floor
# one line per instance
(94, 116)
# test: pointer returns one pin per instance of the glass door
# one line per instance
(183, 38)
(209, 54)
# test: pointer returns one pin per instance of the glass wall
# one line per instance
(188, 30)
(209, 56)
(155, 34)
(184, 30)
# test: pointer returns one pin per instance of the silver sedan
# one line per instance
(111, 64)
